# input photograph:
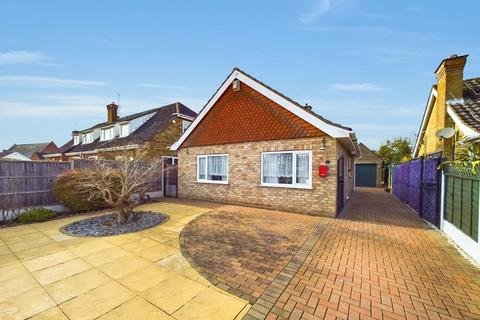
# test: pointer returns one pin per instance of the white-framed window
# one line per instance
(88, 137)
(291, 169)
(185, 125)
(124, 130)
(76, 139)
(212, 168)
(107, 134)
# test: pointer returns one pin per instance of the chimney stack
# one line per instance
(449, 86)
(112, 112)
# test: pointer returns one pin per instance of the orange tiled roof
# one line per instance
(248, 116)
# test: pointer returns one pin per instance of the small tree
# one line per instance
(467, 150)
(395, 151)
(122, 184)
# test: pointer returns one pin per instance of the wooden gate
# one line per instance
(170, 177)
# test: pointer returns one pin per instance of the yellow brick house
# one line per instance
(453, 103)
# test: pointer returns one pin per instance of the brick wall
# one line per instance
(244, 176)
(160, 144)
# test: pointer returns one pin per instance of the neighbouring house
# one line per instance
(148, 134)
(13, 155)
(252, 145)
(33, 151)
(368, 168)
(453, 103)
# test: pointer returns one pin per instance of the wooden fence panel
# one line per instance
(29, 183)
(26, 184)
(462, 200)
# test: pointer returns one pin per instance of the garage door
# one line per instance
(366, 175)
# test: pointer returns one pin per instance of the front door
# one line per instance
(340, 184)
(170, 177)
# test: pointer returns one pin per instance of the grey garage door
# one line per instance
(366, 175)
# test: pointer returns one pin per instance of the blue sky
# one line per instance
(365, 64)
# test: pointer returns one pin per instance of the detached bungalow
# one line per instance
(252, 145)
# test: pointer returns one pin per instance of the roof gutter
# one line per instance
(128, 147)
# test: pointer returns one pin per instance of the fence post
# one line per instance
(72, 164)
(442, 199)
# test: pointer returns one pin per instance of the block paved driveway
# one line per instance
(377, 261)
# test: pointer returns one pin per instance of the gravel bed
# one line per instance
(107, 225)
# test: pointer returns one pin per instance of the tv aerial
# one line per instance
(445, 133)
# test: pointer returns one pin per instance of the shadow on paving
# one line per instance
(380, 207)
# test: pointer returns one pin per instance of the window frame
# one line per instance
(121, 127)
(294, 184)
(206, 156)
(102, 133)
(183, 125)
(76, 139)
(85, 135)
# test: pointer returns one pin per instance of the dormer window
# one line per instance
(185, 125)
(76, 139)
(107, 134)
(124, 130)
(88, 137)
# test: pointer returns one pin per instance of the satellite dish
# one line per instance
(445, 133)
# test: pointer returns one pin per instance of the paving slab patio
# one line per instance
(45, 274)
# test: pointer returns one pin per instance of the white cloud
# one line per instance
(25, 57)
(93, 108)
(161, 86)
(45, 82)
(321, 7)
(356, 87)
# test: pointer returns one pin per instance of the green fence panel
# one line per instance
(466, 200)
(462, 199)
(475, 208)
(457, 202)
(449, 199)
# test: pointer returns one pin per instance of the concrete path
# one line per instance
(45, 274)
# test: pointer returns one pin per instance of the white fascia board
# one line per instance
(466, 130)
(51, 155)
(333, 131)
(183, 116)
(426, 115)
(128, 147)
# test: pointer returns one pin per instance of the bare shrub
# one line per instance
(121, 184)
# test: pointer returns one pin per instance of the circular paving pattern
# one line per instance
(106, 225)
(241, 250)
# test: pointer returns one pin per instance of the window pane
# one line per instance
(201, 168)
(124, 130)
(303, 173)
(217, 168)
(277, 168)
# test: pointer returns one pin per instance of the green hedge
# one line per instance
(35, 215)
